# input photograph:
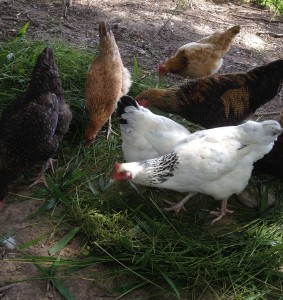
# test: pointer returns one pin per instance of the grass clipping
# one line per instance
(125, 226)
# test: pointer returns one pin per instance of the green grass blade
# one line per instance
(47, 205)
(136, 67)
(64, 241)
(59, 286)
(21, 32)
(171, 283)
(31, 243)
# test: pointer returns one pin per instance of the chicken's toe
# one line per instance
(219, 214)
(175, 206)
(40, 179)
(50, 164)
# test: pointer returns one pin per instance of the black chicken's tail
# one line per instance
(265, 83)
(45, 76)
(122, 104)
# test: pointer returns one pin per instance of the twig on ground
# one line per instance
(6, 287)
(273, 34)
(276, 112)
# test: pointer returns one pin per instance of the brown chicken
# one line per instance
(200, 58)
(107, 80)
(219, 100)
(33, 124)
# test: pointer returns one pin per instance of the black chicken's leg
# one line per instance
(41, 177)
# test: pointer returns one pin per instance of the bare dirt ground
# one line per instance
(151, 31)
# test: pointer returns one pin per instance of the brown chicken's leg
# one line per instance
(41, 177)
(180, 205)
(220, 214)
(110, 129)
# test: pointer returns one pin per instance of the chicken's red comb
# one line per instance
(143, 102)
(115, 174)
(117, 166)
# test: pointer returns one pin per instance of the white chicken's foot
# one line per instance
(220, 213)
(180, 205)
(41, 177)
(110, 130)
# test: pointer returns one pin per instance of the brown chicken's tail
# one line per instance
(103, 29)
(222, 40)
(234, 30)
(106, 38)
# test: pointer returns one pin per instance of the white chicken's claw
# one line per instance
(174, 206)
(220, 214)
(180, 205)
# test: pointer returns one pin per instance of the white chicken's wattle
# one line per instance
(217, 162)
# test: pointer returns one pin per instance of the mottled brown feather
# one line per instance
(219, 100)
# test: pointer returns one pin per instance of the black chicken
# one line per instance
(272, 163)
(33, 124)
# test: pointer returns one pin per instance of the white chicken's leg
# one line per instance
(41, 177)
(180, 205)
(109, 130)
(220, 214)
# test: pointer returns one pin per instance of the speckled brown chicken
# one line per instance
(219, 100)
(33, 124)
(107, 80)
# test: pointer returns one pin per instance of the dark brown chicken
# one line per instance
(33, 124)
(219, 100)
(272, 163)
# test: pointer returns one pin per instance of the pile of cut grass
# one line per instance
(125, 226)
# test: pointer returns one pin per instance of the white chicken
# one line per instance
(146, 135)
(217, 162)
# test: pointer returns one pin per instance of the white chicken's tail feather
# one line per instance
(146, 135)
(126, 81)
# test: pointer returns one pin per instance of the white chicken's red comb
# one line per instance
(117, 166)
